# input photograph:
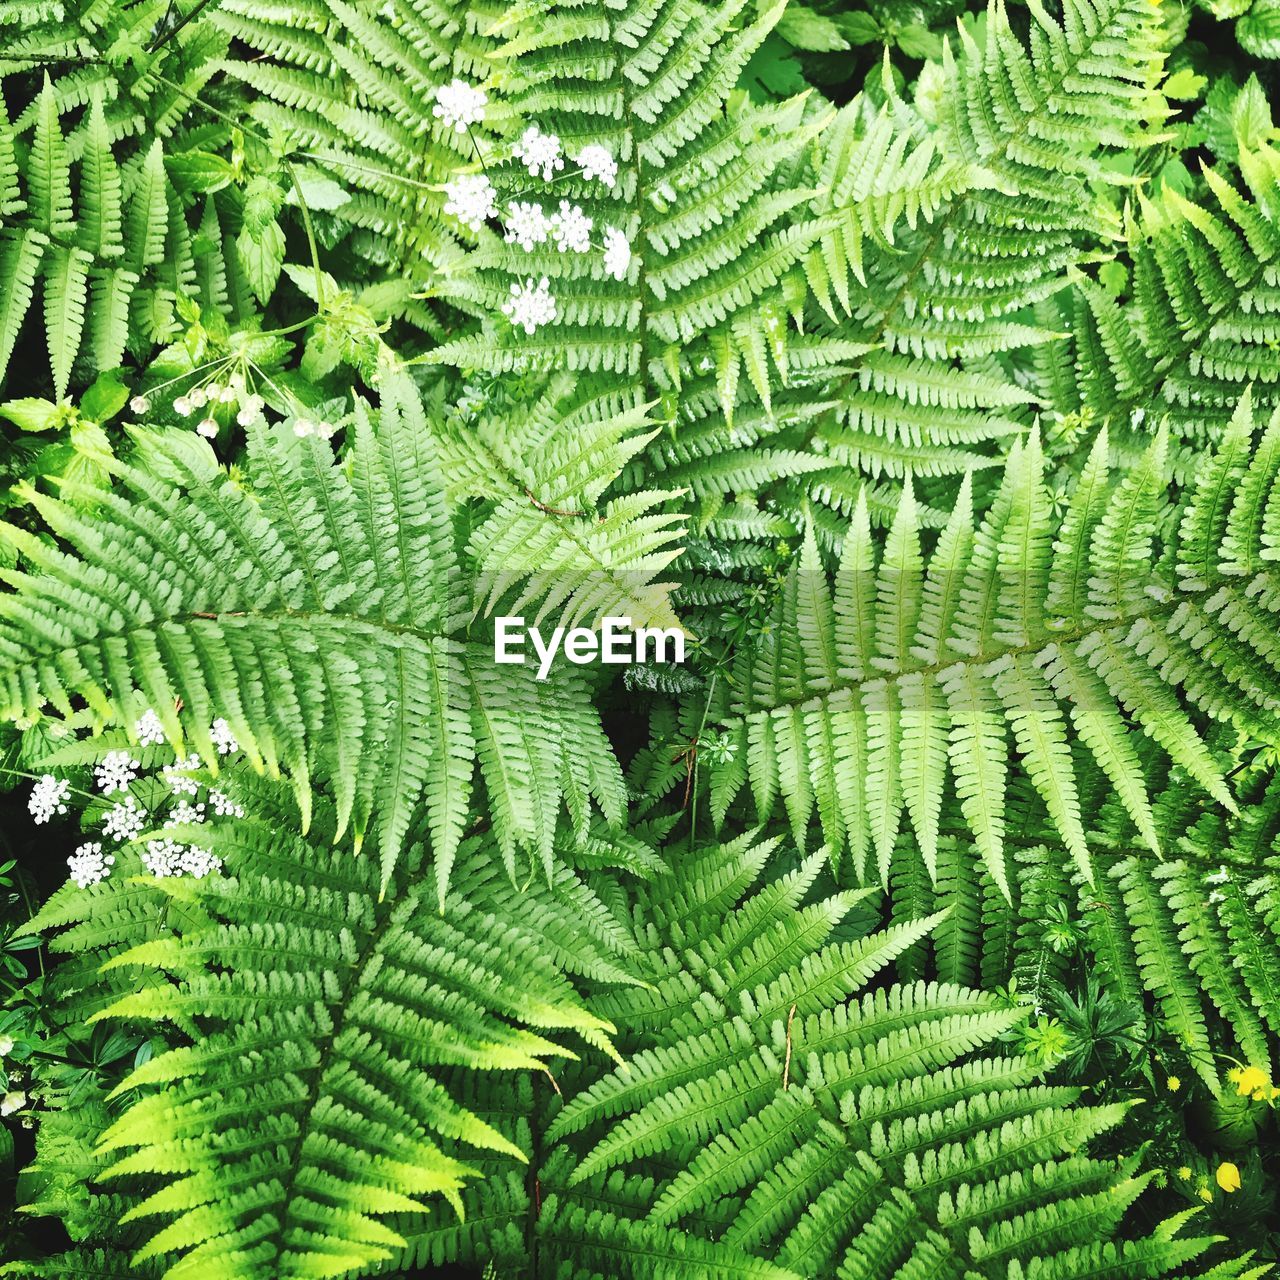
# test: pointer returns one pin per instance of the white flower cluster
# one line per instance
(212, 396)
(223, 738)
(539, 152)
(459, 105)
(48, 796)
(526, 225)
(597, 164)
(530, 305)
(176, 775)
(166, 858)
(571, 228)
(149, 729)
(185, 814)
(223, 805)
(89, 864)
(115, 772)
(471, 199)
(124, 820)
(12, 1101)
(303, 427)
(617, 253)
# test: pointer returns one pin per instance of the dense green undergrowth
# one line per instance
(917, 363)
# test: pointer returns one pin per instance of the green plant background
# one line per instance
(924, 922)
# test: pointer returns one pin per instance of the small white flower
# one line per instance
(88, 864)
(595, 162)
(303, 427)
(117, 770)
(197, 396)
(208, 428)
(617, 253)
(571, 228)
(198, 862)
(125, 819)
(162, 857)
(470, 198)
(540, 152)
(185, 814)
(182, 405)
(228, 395)
(459, 104)
(175, 775)
(224, 806)
(139, 404)
(48, 796)
(12, 1101)
(168, 857)
(250, 410)
(530, 305)
(526, 225)
(6, 1046)
(149, 729)
(223, 738)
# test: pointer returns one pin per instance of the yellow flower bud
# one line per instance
(1228, 1176)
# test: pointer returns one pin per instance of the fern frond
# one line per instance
(844, 1136)
(322, 613)
(1197, 324)
(908, 666)
(311, 1105)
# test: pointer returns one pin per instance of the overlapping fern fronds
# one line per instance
(1116, 620)
(309, 1105)
(324, 613)
(354, 91)
(772, 1122)
(1197, 324)
(1193, 931)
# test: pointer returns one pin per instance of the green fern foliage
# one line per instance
(997, 185)
(354, 89)
(770, 1122)
(90, 219)
(289, 1129)
(700, 194)
(875, 683)
(1192, 932)
(1197, 325)
(340, 593)
(913, 366)
(547, 534)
